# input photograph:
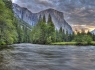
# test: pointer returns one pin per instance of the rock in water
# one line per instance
(32, 18)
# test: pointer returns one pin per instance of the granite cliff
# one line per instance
(32, 18)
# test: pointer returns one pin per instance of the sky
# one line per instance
(80, 14)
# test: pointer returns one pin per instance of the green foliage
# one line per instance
(82, 38)
(62, 36)
(7, 29)
(12, 30)
(64, 43)
(23, 32)
(2, 7)
(43, 33)
(49, 40)
(8, 3)
(59, 35)
(93, 37)
(35, 35)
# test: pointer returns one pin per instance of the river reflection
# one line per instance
(46, 57)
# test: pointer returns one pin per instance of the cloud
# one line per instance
(85, 27)
(44, 0)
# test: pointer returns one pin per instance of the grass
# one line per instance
(64, 43)
(73, 43)
(93, 42)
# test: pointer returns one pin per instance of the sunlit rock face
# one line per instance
(32, 18)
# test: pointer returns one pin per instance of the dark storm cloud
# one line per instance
(81, 12)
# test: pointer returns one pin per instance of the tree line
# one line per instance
(45, 33)
(14, 30)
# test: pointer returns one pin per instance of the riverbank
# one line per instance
(55, 43)
(2, 47)
(73, 43)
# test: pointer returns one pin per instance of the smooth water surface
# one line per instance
(47, 57)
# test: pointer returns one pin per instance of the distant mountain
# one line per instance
(32, 18)
(93, 32)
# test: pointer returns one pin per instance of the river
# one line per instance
(47, 57)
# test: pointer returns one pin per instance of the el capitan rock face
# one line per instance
(32, 18)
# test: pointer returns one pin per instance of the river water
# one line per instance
(48, 57)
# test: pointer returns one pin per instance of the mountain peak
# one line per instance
(32, 18)
(51, 10)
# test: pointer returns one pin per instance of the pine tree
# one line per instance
(8, 34)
